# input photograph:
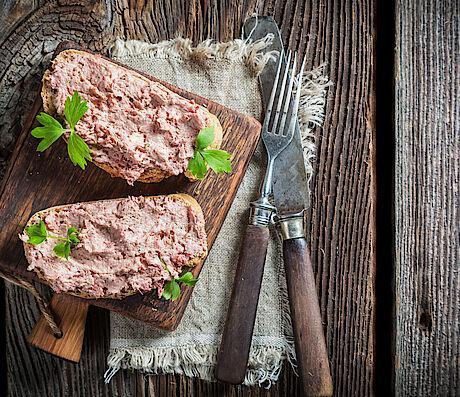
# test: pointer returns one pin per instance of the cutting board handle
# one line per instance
(70, 315)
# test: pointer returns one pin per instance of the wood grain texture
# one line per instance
(70, 316)
(35, 373)
(234, 349)
(427, 173)
(310, 347)
(341, 221)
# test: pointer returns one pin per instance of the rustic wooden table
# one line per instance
(384, 217)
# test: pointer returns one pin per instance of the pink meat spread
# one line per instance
(133, 124)
(134, 244)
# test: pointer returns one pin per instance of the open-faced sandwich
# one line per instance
(125, 123)
(114, 248)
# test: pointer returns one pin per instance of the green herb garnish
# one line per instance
(171, 290)
(38, 234)
(51, 130)
(217, 160)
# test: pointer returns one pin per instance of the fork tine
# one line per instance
(295, 105)
(273, 93)
(288, 96)
(281, 94)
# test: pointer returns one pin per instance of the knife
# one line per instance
(292, 196)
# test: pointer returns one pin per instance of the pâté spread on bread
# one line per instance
(121, 246)
(136, 128)
(129, 125)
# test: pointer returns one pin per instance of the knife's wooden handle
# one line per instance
(236, 340)
(312, 359)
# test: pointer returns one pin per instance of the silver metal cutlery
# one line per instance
(284, 197)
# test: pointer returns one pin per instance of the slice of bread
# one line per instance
(127, 246)
(52, 101)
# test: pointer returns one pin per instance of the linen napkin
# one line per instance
(225, 73)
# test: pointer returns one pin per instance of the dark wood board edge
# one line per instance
(21, 138)
(177, 308)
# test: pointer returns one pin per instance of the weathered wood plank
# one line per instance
(3, 366)
(35, 373)
(342, 215)
(427, 176)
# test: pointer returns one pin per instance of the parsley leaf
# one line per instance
(51, 130)
(74, 109)
(197, 165)
(38, 234)
(217, 160)
(78, 150)
(62, 250)
(72, 235)
(205, 137)
(167, 291)
(171, 289)
(187, 279)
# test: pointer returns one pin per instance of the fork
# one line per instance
(277, 133)
(274, 134)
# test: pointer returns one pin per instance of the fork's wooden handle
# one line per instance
(312, 359)
(70, 315)
(236, 339)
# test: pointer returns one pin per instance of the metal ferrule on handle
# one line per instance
(261, 212)
(291, 226)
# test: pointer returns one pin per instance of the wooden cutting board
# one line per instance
(35, 181)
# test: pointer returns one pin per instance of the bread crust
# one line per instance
(150, 175)
(189, 200)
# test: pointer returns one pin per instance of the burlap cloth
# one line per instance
(226, 73)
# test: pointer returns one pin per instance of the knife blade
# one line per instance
(291, 198)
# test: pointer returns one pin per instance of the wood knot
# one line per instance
(425, 321)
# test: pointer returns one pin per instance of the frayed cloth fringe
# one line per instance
(247, 52)
(265, 362)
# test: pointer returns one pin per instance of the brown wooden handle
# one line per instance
(70, 315)
(236, 339)
(312, 359)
